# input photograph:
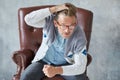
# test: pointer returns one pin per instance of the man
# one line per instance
(63, 48)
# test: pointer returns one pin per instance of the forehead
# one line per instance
(66, 19)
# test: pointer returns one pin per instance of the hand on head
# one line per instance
(61, 7)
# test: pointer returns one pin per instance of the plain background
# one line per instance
(105, 39)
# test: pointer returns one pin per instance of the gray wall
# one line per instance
(105, 39)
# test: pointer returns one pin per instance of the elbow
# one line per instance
(81, 69)
(26, 19)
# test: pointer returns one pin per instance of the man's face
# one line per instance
(65, 25)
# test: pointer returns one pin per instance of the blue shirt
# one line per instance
(55, 53)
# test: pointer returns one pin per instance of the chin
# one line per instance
(66, 36)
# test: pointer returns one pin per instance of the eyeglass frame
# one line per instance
(63, 27)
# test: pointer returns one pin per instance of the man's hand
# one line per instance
(51, 71)
(58, 8)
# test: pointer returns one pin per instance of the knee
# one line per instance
(31, 75)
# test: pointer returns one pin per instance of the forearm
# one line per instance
(78, 67)
(37, 18)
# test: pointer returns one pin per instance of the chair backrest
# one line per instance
(30, 37)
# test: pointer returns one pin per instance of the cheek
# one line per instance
(71, 31)
(60, 31)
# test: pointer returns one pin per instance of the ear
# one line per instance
(55, 23)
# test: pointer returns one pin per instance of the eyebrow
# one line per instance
(64, 24)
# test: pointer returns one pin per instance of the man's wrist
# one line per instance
(52, 9)
(58, 70)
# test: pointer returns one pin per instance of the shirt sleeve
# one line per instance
(78, 67)
(37, 18)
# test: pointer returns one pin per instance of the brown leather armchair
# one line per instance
(30, 39)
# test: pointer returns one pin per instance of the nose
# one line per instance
(67, 30)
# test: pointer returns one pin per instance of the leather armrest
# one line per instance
(89, 59)
(22, 58)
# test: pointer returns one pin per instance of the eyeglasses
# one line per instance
(63, 27)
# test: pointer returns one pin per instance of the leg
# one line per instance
(33, 72)
(76, 77)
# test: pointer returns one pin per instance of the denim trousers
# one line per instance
(34, 72)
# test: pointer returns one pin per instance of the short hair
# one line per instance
(71, 11)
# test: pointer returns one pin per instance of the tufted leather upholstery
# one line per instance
(30, 38)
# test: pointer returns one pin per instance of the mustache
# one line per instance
(66, 33)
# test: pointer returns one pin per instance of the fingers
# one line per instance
(61, 7)
(46, 68)
(47, 71)
(58, 8)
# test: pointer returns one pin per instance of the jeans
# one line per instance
(34, 72)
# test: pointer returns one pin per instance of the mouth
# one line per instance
(67, 33)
